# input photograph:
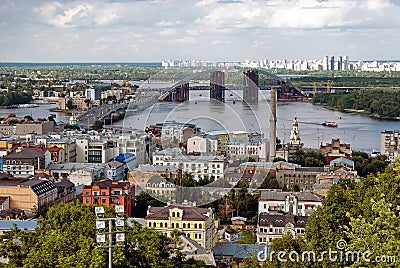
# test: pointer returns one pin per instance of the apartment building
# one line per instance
(205, 144)
(110, 193)
(142, 174)
(28, 194)
(200, 167)
(293, 203)
(335, 149)
(270, 226)
(390, 144)
(244, 148)
(23, 163)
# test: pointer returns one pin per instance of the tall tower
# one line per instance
(340, 63)
(217, 86)
(250, 82)
(294, 133)
(272, 125)
(332, 63)
(346, 63)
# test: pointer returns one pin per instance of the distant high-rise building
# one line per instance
(346, 63)
(340, 63)
(325, 63)
(332, 67)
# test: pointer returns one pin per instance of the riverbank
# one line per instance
(361, 112)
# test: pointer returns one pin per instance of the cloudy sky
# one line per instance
(215, 30)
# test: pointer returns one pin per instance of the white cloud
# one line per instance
(154, 30)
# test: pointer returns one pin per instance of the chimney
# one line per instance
(272, 125)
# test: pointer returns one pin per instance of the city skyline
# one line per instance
(210, 30)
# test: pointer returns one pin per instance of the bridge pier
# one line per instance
(250, 83)
(217, 86)
(178, 94)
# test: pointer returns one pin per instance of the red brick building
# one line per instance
(110, 193)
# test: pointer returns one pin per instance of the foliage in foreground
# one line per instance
(364, 217)
(66, 238)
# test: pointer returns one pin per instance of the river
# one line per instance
(362, 132)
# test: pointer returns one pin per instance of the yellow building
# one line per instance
(196, 223)
(28, 194)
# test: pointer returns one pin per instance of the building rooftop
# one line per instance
(24, 154)
(39, 186)
(103, 184)
(115, 164)
(189, 213)
(75, 166)
(157, 168)
(281, 196)
(265, 219)
(237, 251)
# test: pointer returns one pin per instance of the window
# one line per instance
(154, 224)
(177, 214)
(150, 224)
(195, 225)
(199, 236)
(200, 226)
(87, 193)
(103, 193)
(173, 214)
(87, 200)
(172, 225)
(177, 225)
(103, 200)
(188, 225)
(184, 225)
(161, 224)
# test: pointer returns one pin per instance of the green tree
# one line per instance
(98, 125)
(65, 237)
(70, 106)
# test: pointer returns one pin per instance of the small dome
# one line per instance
(295, 123)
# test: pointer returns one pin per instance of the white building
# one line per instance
(78, 173)
(293, 203)
(242, 148)
(199, 167)
(95, 150)
(22, 163)
(138, 143)
(173, 131)
(206, 144)
(93, 93)
(115, 170)
(295, 133)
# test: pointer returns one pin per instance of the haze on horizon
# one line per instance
(215, 30)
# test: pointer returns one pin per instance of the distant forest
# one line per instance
(383, 102)
(15, 97)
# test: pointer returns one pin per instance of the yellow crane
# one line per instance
(328, 86)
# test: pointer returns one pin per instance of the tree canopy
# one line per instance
(66, 238)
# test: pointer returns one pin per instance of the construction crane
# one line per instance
(327, 84)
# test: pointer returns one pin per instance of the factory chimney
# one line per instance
(272, 125)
